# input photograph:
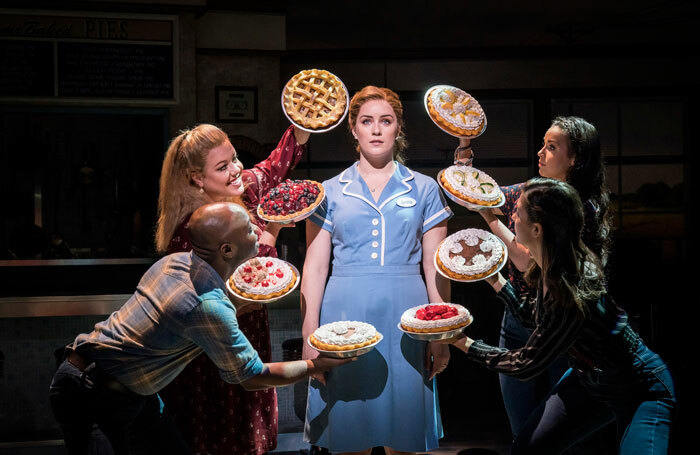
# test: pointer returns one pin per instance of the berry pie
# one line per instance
(314, 99)
(262, 278)
(291, 200)
(435, 317)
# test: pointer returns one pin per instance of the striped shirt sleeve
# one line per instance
(554, 335)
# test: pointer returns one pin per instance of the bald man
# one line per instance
(111, 376)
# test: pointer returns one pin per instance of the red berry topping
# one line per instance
(268, 264)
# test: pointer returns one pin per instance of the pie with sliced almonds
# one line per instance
(314, 99)
(456, 111)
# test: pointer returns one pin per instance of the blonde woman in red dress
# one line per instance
(202, 166)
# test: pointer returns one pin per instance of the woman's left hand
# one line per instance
(437, 356)
(301, 136)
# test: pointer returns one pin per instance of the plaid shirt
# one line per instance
(179, 309)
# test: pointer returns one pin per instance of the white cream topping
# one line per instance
(473, 183)
(471, 237)
(452, 104)
(265, 279)
(342, 333)
(409, 319)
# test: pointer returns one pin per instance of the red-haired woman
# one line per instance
(381, 221)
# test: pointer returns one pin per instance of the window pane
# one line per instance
(601, 114)
(652, 128)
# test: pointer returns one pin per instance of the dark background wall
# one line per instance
(86, 168)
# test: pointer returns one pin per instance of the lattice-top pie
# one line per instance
(314, 99)
(455, 111)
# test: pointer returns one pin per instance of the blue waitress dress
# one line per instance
(384, 398)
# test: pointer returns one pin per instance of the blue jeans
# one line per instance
(133, 424)
(521, 398)
(640, 395)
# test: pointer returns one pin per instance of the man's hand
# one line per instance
(437, 356)
(324, 364)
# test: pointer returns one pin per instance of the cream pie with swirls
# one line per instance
(344, 336)
(470, 254)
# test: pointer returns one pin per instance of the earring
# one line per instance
(201, 189)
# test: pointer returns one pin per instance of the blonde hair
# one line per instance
(179, 195)
(371, 93)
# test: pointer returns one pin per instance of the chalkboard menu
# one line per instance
(90, 56)
(115, 70)
(26, 68)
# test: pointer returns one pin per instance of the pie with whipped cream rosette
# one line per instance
(315, 99)
(471, 185)
(262, 278)
(344, 336)
(435, 318)
(291, 200)
(470, 254)
(455, 110)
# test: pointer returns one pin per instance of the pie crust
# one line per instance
(471, 185)
(456, 111)
(344, 336)
(470, 254)
(291, 200)
(262, 278)
(314, 99)
(418, 319)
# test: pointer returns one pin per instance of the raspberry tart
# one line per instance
(455, 111)
(471, 185)
(315, 99)
(470, 255)
(263, 278)
(344, 336)
(291, 200)
(435, 317)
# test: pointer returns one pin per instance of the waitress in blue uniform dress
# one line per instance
(380, 221)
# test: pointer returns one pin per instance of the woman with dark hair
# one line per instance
(380, 221)
(570, 153)
(570, 313)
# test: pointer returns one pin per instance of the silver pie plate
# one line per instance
(427, 109)
(270, 300)
(471, 280)
(434, 336)
(464, 203)
(328, 128)
(293, 219)
(349, 353)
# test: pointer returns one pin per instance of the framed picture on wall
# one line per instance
(236, 104)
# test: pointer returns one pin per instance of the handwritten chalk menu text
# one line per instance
(60, 56)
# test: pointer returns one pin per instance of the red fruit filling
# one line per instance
(436, 312)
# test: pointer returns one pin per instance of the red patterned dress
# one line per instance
(215, 417)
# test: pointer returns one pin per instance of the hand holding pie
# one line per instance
(315, 100)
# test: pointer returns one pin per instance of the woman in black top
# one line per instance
(570, 313)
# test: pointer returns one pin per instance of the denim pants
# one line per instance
(521, 398)
(133, 424)
(641, 397)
